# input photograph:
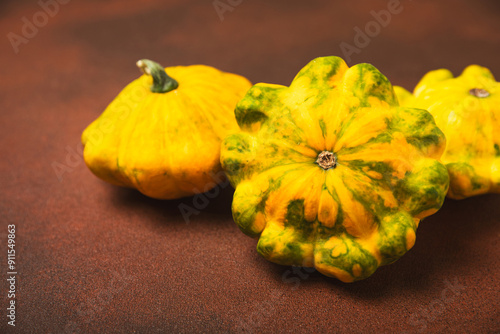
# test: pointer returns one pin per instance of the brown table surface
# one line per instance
(94, 258)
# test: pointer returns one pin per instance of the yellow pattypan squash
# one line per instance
(467, 110)
(162, 133)
(331, 172)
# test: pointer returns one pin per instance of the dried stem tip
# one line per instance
(326, 160)
(479, 92)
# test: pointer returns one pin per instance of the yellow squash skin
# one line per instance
(467, 110)
(166, 145)
(330, 172)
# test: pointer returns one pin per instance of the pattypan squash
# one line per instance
(162, 133)
(467, 110)
(331, 172)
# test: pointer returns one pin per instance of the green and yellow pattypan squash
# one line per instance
(467, 110)
(162, 133)
(330, 172)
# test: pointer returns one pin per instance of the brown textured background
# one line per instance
(93, 258)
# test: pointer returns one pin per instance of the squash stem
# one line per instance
(479, 92)
(162, 83)
(327, 160)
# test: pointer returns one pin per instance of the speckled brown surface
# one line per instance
(93, 258)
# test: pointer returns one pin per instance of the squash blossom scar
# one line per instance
(479, 92)
(326, 160)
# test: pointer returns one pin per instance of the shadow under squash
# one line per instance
(449, 244)
(214, 203)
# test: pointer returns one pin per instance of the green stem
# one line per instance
(162, 83)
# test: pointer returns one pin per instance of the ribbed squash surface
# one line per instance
(166, 145)
(360, 212)
(467, 110)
